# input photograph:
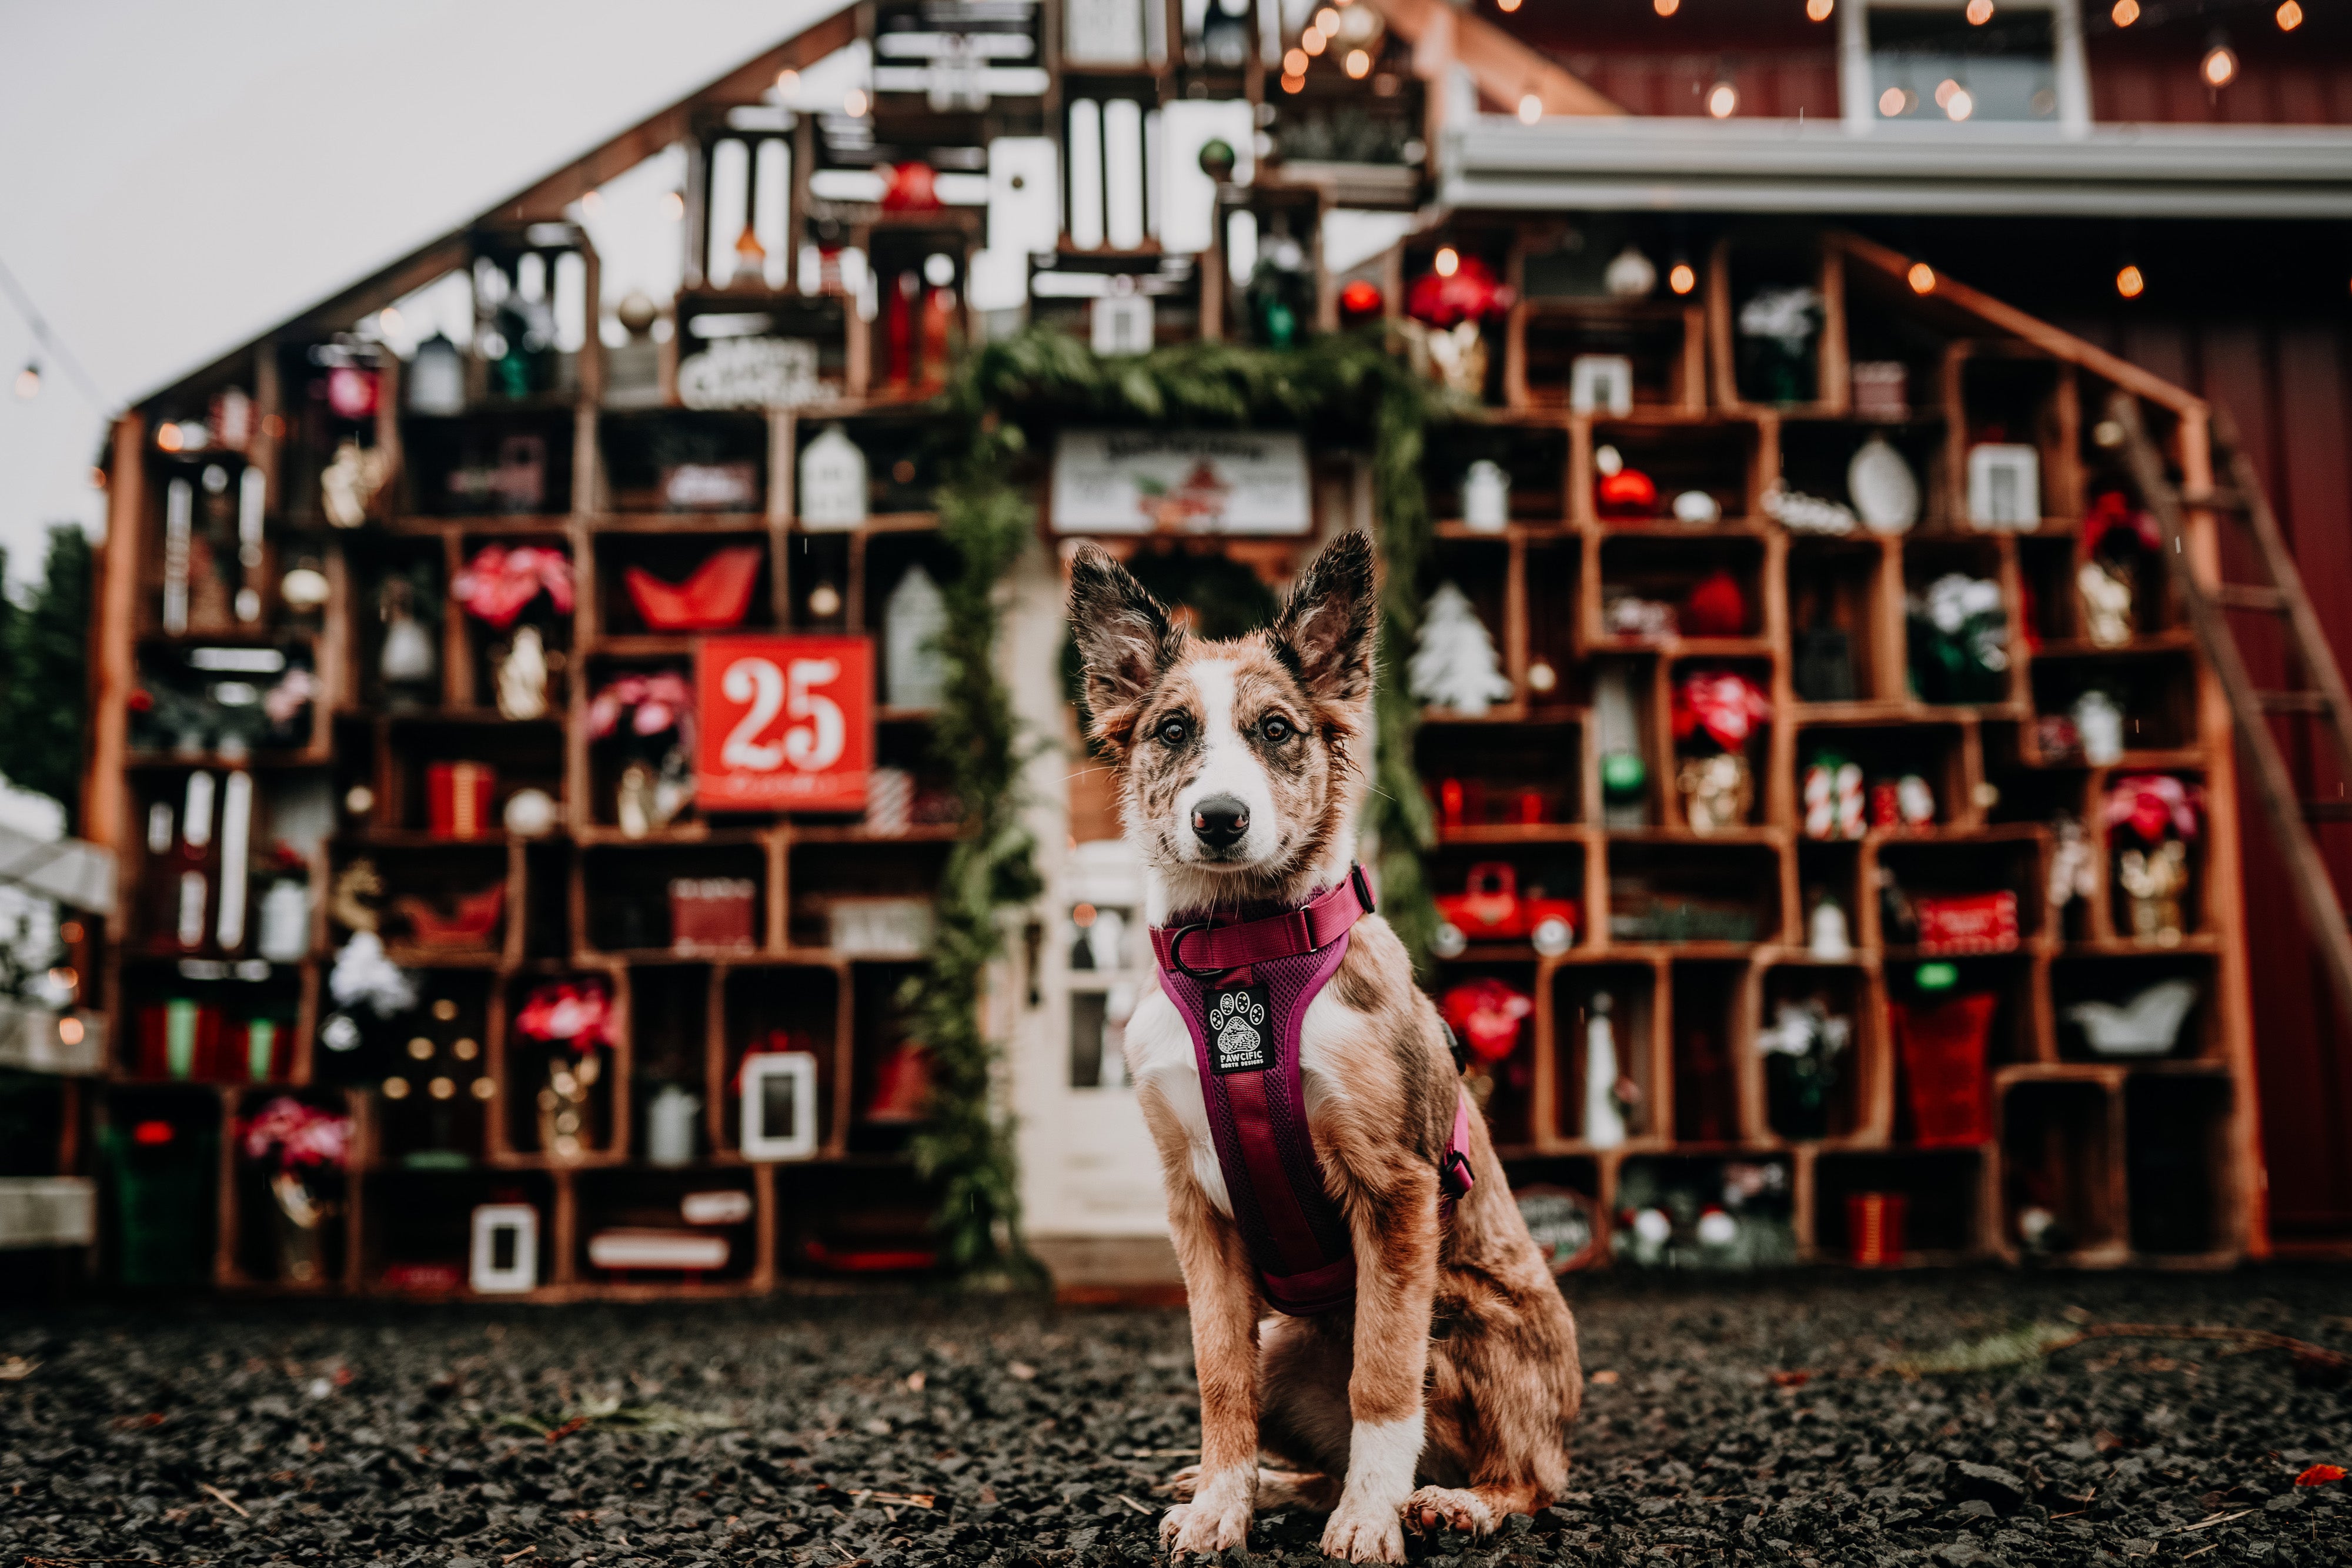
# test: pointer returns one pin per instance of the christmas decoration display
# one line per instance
(778, 1105)
(878, 927)
(1624, 778)
(1630, 275)
(1635, 618)
(1717, 789)
(1714, 712)
(2147, 1024)
(1467, 291)
(714, 597)
(1606, 1090)
(1879, 389)
(1601, 384)
(1802, 513)
(1620, 491)
(2073, 864)
(1885, 494)
(469, 925)
(297, 1144)
(1453, 664)
(902, 1086)
(504, 1256)
(1801, 1051)
(458, 798)
(2004, 487)
(1488, 1017)
(576, 1018)
(348, 484)
(1777, 329)
(1832, 795)
(2161, 813)
(1967, 922)
(406, 662)
(2098, 721)
(1958, 641)
(1942, 1043)
(656, 783)
(2116, 538)
(529, 813)
(711, 911)
(1487, 497)
(1732, 1217)
(1492, 909)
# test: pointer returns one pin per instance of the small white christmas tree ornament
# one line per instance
(1454, 663)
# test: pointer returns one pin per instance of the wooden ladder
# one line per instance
(2238, 497)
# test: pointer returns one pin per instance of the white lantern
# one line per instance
(833, 481)
(912, 620)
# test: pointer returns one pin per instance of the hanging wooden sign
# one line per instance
(786, 723)
(1189, 482)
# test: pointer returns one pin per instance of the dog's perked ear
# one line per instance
(1125, 641)
(1325, 631)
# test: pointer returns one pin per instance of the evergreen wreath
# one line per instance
(998, 411)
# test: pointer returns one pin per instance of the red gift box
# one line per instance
(711, 912)
(1943, 1049)
(1977, 923)
(199, 1026)
(458, 799)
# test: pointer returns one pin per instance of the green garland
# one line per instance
(1003, 394)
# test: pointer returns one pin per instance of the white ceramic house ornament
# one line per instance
(1486, 497)
(912, 620)
(2004, 486)
(833, 481)
(1601, 384)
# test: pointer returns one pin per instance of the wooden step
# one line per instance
(2248, 596)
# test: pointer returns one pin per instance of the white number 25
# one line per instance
(815, 738)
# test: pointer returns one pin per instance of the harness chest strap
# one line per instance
(1244, 990)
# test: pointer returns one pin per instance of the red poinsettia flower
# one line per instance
(1486, 1014)
(2148, 804)
(576, 1013)
(1725, 704)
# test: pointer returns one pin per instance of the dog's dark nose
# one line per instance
(1220, 822)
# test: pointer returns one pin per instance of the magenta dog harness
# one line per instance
(1244, 986)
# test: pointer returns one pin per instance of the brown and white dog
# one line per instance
(1445, 1395)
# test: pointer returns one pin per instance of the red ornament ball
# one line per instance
(1360, 297)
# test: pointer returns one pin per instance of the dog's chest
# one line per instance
(1161, 1061)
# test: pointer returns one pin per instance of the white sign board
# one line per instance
(1187, 482)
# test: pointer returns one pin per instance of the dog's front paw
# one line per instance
(1217, 1517)
(1450, 1507)
(1359, 1535)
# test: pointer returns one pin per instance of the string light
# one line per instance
(46, 344)
(788, 80)
(1293, 82)
(1293, 64)
(1326, 20)
(28, 381)
(1359, 64)
(1922, 277)
(1819, 10)
(673, 206)
(1448, 261)
(1666, 8)
(2289, 16)
(1978, 13)
(1723, 100)
(1959, 106)
(2126, 13)
(1530, 110)
(1313, 41)
(1681, 279)
(854, 103)
(2129, 283)
(1894, 103)
(1507, 6)
(2220, 68)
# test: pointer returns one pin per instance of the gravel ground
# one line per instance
(907, 1431)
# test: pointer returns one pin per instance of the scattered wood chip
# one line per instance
(557, 1434)
(2217, 1519)
(223, 1497)
(1604, 1378)
(524, 1552)
(1133, 1504)
(902, 1499)
(1779, 1379)
(17, 1368)
(2320, 1475)
(1020, 1370)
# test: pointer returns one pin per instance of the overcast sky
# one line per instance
(176, 178)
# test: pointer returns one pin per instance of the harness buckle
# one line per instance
(1176, 955)
(1364, 886)
(1454, 1176)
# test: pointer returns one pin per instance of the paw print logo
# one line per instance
(1236, 1020)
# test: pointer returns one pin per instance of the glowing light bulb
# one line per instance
(1293, 64)
(1978, 13)
(1448, 262)
(1293, 82)
(1819, 10)
(1359, 64)
(1922, 277)
(2126, 13)
(1507, 6)
(28, 381)
(1313, 41)
(1723, 100)
(1530, 110)
(2221, 66)
(1328, 20)
(1891, 102)
(1959, 106)
(2129, 283)
(1681, 279)
(592, 203)
(854, 103)
(788, 79)
(2289, 16)
(1666, 8)
(1944, 91)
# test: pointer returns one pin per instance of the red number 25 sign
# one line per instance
(786, 723)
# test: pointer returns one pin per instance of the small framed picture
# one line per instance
(505, 1259)
(1601, 384)
(2004, 486)
(779, 1105)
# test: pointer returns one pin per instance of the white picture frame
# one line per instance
(2004, 487)
(779, 1105)
(1601, 384)
(509, 1229)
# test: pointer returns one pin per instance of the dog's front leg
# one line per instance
(1396, 1281)
(1224, 1308)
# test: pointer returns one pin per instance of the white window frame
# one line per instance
(1860, 106)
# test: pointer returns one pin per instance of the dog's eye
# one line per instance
(1277, 729)
(1175, 732)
